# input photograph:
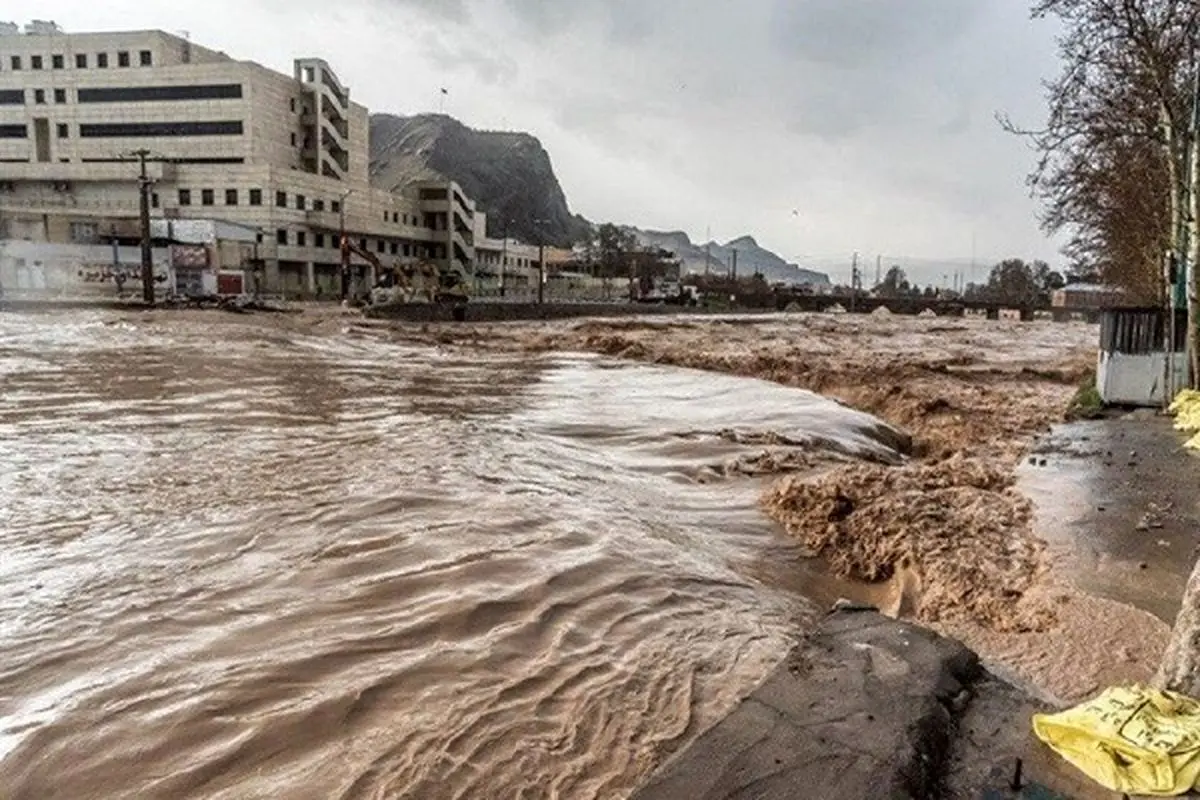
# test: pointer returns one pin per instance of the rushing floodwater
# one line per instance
(240, 562)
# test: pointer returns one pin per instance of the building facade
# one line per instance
(1087, 297)
(284, 155)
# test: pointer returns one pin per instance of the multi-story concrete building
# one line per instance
(505, 267)
(229, 140)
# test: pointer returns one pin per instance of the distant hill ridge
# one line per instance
(718, 258)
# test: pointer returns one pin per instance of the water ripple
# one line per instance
(253, 562)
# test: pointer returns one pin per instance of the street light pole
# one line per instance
(343, 245)
(541, 260)
(503, 257)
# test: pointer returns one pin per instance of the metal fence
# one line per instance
(1139, 331)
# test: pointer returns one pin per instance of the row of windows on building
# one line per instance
(124, 94)
(300, 202)
(87, 232)
(401, 218)
(134, 130)
(320, 240)
(124, 58)
(509, 261)
(254, 197)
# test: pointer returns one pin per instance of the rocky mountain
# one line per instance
(509, 175)
(751, 257)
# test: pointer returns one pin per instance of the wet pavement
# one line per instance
(1116, 500)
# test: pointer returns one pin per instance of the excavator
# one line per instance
(417, 283)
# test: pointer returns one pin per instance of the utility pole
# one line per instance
(707, 249)
(734, 265)
(503, 257)
(541, 269)
(878, 270)
(855, 282)
(147, 252)
(541, 260)
(345, 247)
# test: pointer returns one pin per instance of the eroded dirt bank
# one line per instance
(946, 531)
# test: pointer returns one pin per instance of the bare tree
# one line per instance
(1112, 166)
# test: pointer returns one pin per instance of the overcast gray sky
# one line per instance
(873, 119)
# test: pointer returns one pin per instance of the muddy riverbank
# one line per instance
(292, 555)
(483, 560)
(949, 537)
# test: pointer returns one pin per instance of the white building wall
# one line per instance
(75, 271)
(273, 117)
(54, 193)
(360, 131)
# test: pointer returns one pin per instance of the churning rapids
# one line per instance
(242, 558)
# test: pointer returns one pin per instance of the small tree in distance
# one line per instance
(894, 284)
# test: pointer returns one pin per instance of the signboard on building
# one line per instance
(189, 256)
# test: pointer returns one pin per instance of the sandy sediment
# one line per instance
(946, 530)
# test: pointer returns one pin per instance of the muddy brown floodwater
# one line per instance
(314, 556)
(950, 537)
(294, 556)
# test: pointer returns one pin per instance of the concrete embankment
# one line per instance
(868, 707)
(505, 312)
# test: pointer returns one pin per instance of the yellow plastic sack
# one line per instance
(1186, 408)
(1135, 740)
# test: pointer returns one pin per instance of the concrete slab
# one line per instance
(868, 707)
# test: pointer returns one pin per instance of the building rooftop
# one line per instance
(1090, 287)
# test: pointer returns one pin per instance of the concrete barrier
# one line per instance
(506, 312)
